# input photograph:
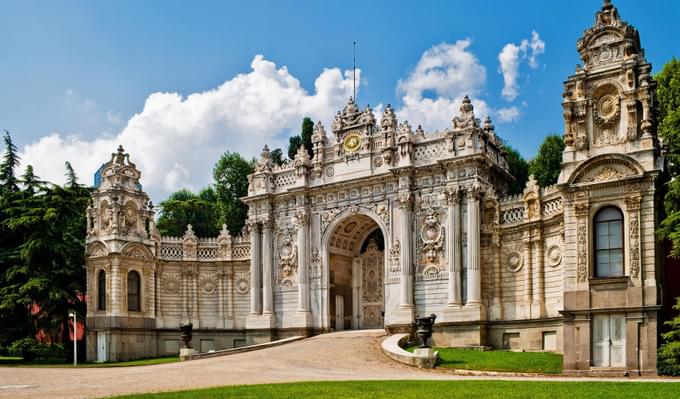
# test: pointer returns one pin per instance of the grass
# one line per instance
(518, 362)
(431, 390)
(19, 362)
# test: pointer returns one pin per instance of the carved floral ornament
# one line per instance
(242, 282)
(171, 282)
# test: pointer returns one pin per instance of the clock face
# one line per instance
(352, 142)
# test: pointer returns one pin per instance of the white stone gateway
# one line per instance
(383, 223)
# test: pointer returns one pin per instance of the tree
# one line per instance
(668, 128)
(184, 207)
(518, 168)
(669, 352)
(668, 114)
(294, 142)
(547, 165)
(304, 138)
(231, 184)
(42, 272)
(8, 179)
(277, 156)
(306, 135)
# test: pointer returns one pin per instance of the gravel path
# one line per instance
(349, 355)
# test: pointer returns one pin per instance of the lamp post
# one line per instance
(75, 338)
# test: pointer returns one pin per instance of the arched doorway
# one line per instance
(356, 265)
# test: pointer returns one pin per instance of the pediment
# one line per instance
(96, 249)
(136, 251)
(604, 169)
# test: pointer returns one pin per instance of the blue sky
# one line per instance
(178, 83)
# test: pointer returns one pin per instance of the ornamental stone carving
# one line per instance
(207, 282)
(242, 282)
(554, 255)
(287, 257)
(395, 257)
(315, 271)
(515, 262)
(432, 236)
(171, 282)
(582, 255)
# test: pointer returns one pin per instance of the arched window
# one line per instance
(609, 242)
(101, 290)
(133, 291)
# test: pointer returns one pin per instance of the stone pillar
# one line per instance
(255, 246)
(454, 250)
(185, 295)
(115, 292)
(267, 268)
(302, 224)
(474, 272)
(220, 296)
(540, 275)
(528, 271)
(406, 288)
(195, 314)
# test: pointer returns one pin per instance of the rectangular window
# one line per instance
(609, 341)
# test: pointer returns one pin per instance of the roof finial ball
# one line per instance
(607, 5)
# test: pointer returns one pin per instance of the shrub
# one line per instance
(29, 349)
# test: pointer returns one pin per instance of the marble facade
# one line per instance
(383, 223)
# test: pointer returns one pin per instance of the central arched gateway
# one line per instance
(354, 258)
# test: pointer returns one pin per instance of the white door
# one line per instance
(339, 312)
(609, 341)
(101, 346)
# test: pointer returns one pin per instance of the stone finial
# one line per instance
(319, 133)
(265, 162)
(189, 233)
(467, 115)
(388, 122)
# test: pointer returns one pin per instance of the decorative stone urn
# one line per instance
(186, 336)
(424, 329)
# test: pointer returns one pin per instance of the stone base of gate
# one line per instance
(261, 321)
(466, 313)
(403, 315)
(300, 320)
(460, 335)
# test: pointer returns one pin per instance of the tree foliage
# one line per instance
(669, 352)
(518, 168)
(668, 114)
(184, 207)
(547, 164)
(231, 184)
(42, 249)
(304, 138)
(277, 156)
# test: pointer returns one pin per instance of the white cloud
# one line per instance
(113, 117)
(510, 59)
(510, 114)
(175, 141)
(434, 89)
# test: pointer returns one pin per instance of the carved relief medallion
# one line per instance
(515, 262)
(554, 255)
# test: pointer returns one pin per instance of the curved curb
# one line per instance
(392, 348)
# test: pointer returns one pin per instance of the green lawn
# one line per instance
(520, 362)
(19, 362)
(432, 390)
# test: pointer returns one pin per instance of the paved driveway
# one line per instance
(349, 355)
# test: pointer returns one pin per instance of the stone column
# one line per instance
(474, 273)
(302, 224)
(220, 295)
(267, 268)
(454, 250)
(528, 270)
(185, 295)
(406, 288)
(195, 294)
(115, 291)
(540, 274)
(255, 287)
